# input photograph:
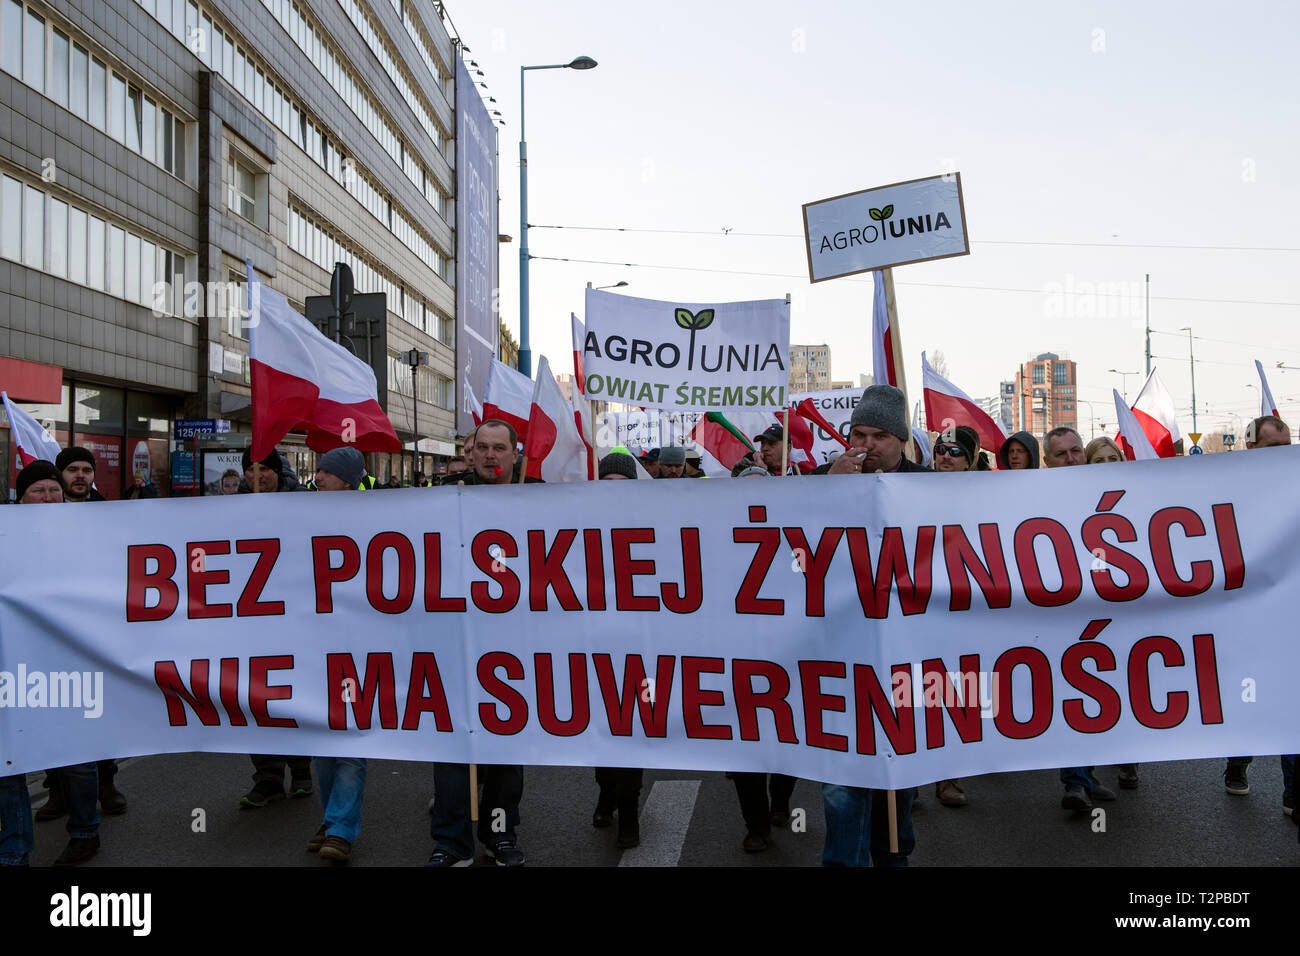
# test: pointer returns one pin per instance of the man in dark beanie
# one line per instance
(672, 462)
(956, 449)
(39, 483)
(877, 434)
(340, 470)
(857, 819)
(1018, 452)
(618, 465)
(77, 465)
(265, 475)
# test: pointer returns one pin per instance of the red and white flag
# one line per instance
(1132, 434)
(801, 441)
(1267, 403)
(947, 405)
(509, 397)
(473, 405)
(553, 445)
(303, 381)
(1154, 411)
(579, 338)
(884, 369)
(32, 441)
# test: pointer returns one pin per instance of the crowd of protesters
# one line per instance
(858, 830)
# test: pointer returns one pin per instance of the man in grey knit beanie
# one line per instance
(877, 433)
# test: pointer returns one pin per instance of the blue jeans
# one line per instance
(17, 833)
(857, 827)
(450, 825)
(80, 786)
(342, 783)
(1078, 777)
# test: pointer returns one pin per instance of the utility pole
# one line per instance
(1191, 359)
(1148, 324)
(415, 359)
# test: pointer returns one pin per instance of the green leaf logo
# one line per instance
(887, 211)
(876, 214)
(685, 319)
(704, 319)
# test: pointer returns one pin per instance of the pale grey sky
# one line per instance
(1154, 124)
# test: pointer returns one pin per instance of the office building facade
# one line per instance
(150, 148)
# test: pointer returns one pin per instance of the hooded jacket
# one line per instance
(1028, 441)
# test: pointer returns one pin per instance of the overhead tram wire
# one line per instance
(925, 285)
(722, 233)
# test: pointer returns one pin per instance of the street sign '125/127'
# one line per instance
(913, 221)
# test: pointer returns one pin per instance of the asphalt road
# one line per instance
(1179, 817)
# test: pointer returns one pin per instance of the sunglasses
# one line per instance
(952, 451)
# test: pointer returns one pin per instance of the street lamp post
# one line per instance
(1191, 359)
(525, 352)
(1123, 381)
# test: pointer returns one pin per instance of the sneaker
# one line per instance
(111, 801)
(441, 858)
(263, 792)
(336, 850)
(300, 787)
(1234, 781)
(754, 842)
(315, 843)
(950, 794)
(78, 851)
(1076, 798)
(780, 816)
(1288, 804)
(1128, 776)
(53, 808)
(1099, 792)
(506, 853)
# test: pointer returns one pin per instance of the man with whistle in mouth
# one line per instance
(495, 459)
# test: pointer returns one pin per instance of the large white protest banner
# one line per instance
(875, 630)
(913, 221)
(686, 357)
(836, 406)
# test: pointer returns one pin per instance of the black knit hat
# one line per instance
(38, 471)
(616, 463)
(884, 407)
(965, 436)
(271, 461)
(71, 454)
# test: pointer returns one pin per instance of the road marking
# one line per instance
(664, 820)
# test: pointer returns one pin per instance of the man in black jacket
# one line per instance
(495, 463)
(857, 819)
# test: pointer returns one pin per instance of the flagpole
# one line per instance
(896, 346)
(785, 425)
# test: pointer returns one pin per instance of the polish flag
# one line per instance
(554, 443)
(801, 441)
(473, 405)
(1132, 432)
(579, 338)
(32, 441)
(509, 397)
(884, 369)
(808, 409)
(1267, 404)
(947, 405)
(1154, 411)
(721, 439)
(919, 437)
(303, 381)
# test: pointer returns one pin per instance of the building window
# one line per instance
(1038, 375)
(241, 192)
(1060, 373)
(34, 52)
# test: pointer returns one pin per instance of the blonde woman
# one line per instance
(1101, 450)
